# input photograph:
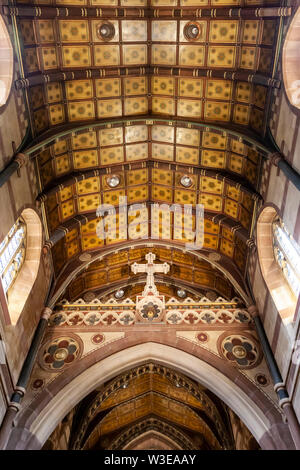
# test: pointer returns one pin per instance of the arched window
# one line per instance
(279, 259)
(20, 254)
(7, 60)
(12, 253)
(287, 254)
(290, 61)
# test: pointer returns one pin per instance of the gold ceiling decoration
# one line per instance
(152, 391)
(161, 142)
(115, 268)
(52, 45)
(148, 172)
(107, 66)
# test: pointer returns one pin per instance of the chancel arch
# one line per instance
(255, 413)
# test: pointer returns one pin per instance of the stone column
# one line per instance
(15, 164)
(279, 387)
(278, 160)
(20, 389)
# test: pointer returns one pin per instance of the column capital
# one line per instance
(275, 158)
(22, 159)
(284, 402)
(47, 247)
(46, 312)
(20, 390)
(279, 386)
(13, 406)
(251, 244)
(252, 309)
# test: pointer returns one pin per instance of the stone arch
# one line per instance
(27, 275)
(264, 421)
(271, 272)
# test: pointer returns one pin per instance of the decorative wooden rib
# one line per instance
(47, 139)
(73, 12)
(115, 72)
(244, 136)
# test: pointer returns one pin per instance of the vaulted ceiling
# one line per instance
(150, 50)
(148, 92)
(151, 398)
(106, 274)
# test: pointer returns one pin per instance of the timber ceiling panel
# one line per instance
(117, 145)
(52, 45)
(85, 238)
(85, 196)
(153, 390)
(148, 67)
(115, 268)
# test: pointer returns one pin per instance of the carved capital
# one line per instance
(251, 244)
(252, 309)
(47, 247)
(275, 158)
(46, 312)
(22, 159)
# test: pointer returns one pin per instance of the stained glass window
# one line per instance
(287, 254)
(12, 253)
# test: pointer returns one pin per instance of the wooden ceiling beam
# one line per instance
(106, 12)
(127, 71)
(128, 280)
(243, 135)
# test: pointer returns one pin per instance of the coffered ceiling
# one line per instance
(148, 92)
(161, 141)
(135, 68)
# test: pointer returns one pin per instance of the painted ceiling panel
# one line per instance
(92, 149)
(149, 66)
(76, 44)
(194, 273)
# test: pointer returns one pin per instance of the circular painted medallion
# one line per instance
(60, 352)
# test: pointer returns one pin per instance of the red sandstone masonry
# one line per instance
(132, 339)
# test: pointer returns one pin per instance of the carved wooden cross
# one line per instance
(150, 268)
